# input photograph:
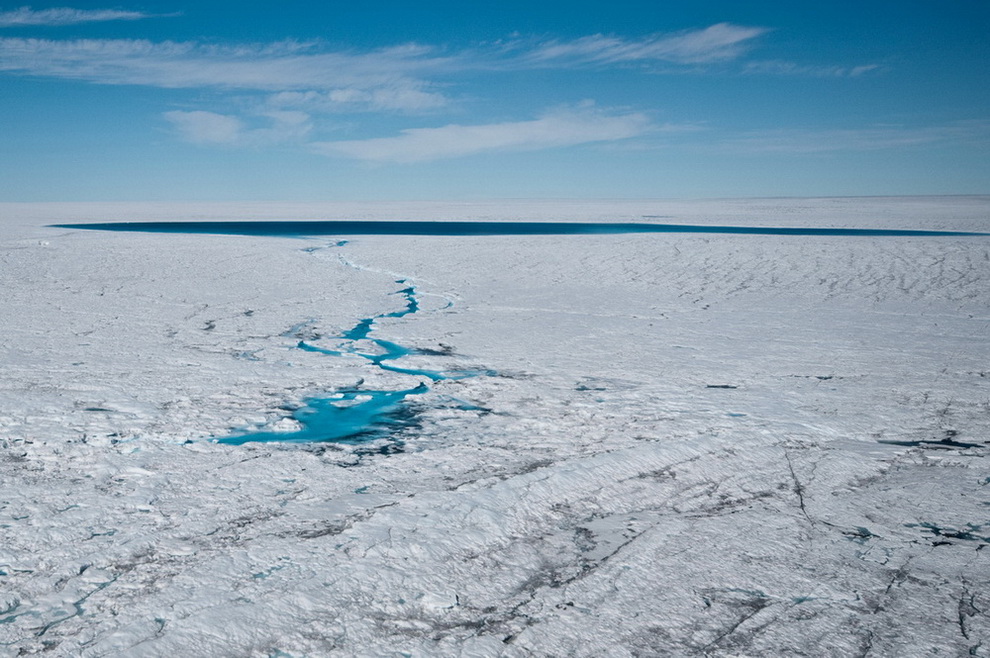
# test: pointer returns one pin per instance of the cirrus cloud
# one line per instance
(309, 77)
(170, 64)
(298, 66)
(557, 129)
(866, 138)
(390, 79)
(720, 42)
(778, 67)
(25, 16)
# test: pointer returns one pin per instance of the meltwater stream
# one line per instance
(353, 415)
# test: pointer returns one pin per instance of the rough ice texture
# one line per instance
(690, 445)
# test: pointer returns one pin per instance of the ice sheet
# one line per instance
(721, 445)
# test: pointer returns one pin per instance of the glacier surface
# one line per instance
(614, 444)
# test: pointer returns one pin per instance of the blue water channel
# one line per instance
(354, 415)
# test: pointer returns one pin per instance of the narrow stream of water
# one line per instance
(353, 415)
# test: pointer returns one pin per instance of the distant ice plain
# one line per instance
(697, 445)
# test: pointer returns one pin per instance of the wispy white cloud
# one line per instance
(210, 128)
(557, 129)
(281, 85)
(393, 77)
(26, 16)
(871, 138)
(401, 96)
(720, 42)
(385, 79)
(278, 66)
(778, 67)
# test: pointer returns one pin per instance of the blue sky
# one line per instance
(223, 100)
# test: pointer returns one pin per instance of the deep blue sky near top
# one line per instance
(223, 100)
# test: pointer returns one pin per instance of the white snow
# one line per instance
(695, 445)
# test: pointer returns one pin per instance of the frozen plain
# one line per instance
(677, 445)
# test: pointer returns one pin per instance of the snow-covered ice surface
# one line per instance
(672, 445)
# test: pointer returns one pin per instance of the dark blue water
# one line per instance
(354, 415)
(370, 227)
